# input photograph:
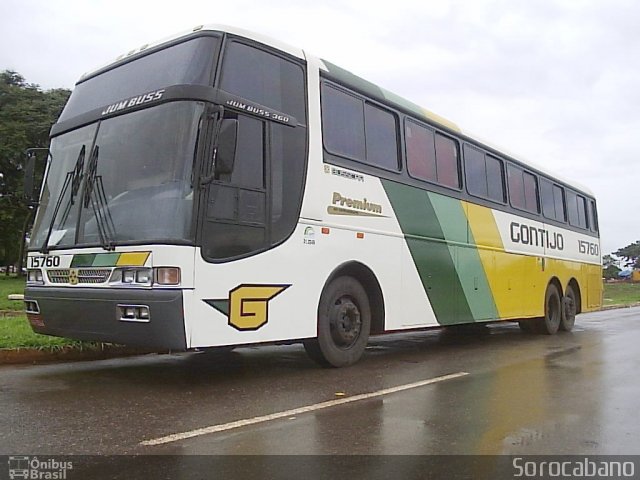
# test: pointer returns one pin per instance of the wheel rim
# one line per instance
(345, 322)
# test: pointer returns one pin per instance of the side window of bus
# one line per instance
(447, 161)
(421, 152)
(381, 135)
(523, 189)
(359, 130)
(576, 208)
(264, 78)
(593, 216)
(484, 174)
(343, 123)
(553, 205)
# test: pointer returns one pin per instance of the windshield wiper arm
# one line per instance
(95, 196)
(73, 179)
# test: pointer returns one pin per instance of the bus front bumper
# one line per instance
(99, 314)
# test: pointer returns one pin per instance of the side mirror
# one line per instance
(33, 175)
(227, 146)
(29, 177)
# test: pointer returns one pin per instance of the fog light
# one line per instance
(134, 313)
(167, 275)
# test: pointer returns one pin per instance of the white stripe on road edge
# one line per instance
(296, 411)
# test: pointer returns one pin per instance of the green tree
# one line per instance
(26, 116)
(631, 254)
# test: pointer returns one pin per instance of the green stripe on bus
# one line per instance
(106, 260)
(433, 256)
(469, 267)
(83, 260)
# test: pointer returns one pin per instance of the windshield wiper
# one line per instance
(95, 196)
(73, 179)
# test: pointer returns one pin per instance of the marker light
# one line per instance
(167, 275)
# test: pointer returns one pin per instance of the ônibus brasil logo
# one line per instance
(23, 467)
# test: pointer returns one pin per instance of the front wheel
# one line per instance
(344, 321)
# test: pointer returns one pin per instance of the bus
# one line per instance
(219, 189)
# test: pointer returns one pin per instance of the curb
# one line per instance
(615, 307)
(17, 356)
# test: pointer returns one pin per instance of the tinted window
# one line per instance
(484, 174)
(516, 187)
(523, 191)
(495, 179)
(593, 216)
(421, 152)
(558, 198)
(447, 165)
(190, 62)
(552, 200)
(531, 192)
(343, 123)
(576, 208)
(248, 168)
(264, 78)
(381, 137)
(287, 146)
(475, 171)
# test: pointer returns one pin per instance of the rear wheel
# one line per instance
(344, 321)
(550, 323)
(569, 310)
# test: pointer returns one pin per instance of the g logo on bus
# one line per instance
(247, 307)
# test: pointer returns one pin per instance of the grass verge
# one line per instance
(15, 332)
(621, 293)
(8, 285)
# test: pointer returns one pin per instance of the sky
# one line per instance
(554, 82)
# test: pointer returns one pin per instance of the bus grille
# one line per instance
(83, 275)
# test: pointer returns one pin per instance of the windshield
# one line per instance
(189, 62)
(132, 184)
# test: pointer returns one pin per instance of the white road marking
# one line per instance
(296, 411)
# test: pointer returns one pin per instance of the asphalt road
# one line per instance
(507, 392)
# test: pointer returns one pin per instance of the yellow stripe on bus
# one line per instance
(511, 277)
(133, 259)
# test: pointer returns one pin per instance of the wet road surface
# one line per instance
(511, 393)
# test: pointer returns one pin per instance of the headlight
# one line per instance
(34, 276)
(132, 276)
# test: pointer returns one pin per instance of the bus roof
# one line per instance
(352, 80)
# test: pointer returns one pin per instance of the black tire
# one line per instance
(569, 310)
(550, 323)
(344, 322)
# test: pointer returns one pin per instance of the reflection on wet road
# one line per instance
(524, 394)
